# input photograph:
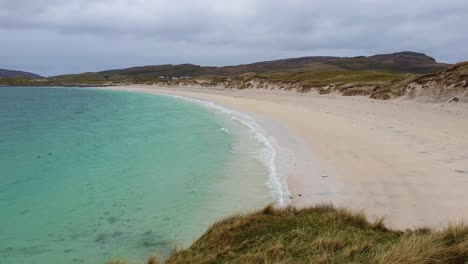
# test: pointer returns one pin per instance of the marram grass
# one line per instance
(319, 234)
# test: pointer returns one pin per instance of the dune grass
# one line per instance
(320, 234)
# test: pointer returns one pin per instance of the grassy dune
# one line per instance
(320, 234)
(376, 84)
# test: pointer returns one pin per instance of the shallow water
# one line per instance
(89, 175)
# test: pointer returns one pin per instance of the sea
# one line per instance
(89, 175)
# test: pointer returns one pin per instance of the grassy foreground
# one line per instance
(320, 234)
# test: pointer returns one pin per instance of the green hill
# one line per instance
(401, 62)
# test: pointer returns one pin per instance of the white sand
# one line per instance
(399, 159)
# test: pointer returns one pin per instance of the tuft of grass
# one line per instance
(152, 260)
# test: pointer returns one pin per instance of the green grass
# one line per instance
(337, 76)
(320, 234)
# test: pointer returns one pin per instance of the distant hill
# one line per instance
(401, 62)
(17, 74)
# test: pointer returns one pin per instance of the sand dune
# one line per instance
(403, 160)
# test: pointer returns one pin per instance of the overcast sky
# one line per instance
(52, 37)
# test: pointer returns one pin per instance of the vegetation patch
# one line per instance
(320, 234)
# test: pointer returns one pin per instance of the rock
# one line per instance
(455, 99)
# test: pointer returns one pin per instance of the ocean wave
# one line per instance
(268, 155)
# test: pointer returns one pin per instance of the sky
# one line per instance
(52, 37)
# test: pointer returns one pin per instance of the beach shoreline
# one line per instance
(399, 159)
(291, 155)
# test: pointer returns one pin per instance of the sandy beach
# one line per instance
(403, 160)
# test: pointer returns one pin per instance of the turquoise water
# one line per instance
(89, 175)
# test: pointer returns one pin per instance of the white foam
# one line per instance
(268, 154)
(224, 130)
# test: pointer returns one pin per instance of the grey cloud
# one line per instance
(224, 32)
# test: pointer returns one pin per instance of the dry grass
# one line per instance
(321, 234)
(376, 84)
(449, 85)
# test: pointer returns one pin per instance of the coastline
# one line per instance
(398, 159)
(268, 155)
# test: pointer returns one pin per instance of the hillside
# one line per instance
(320, 234)
(449, 84)
(17, 74)
(401, 62)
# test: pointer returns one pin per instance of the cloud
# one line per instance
(226, 32)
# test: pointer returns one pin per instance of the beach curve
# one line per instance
(387, 157)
